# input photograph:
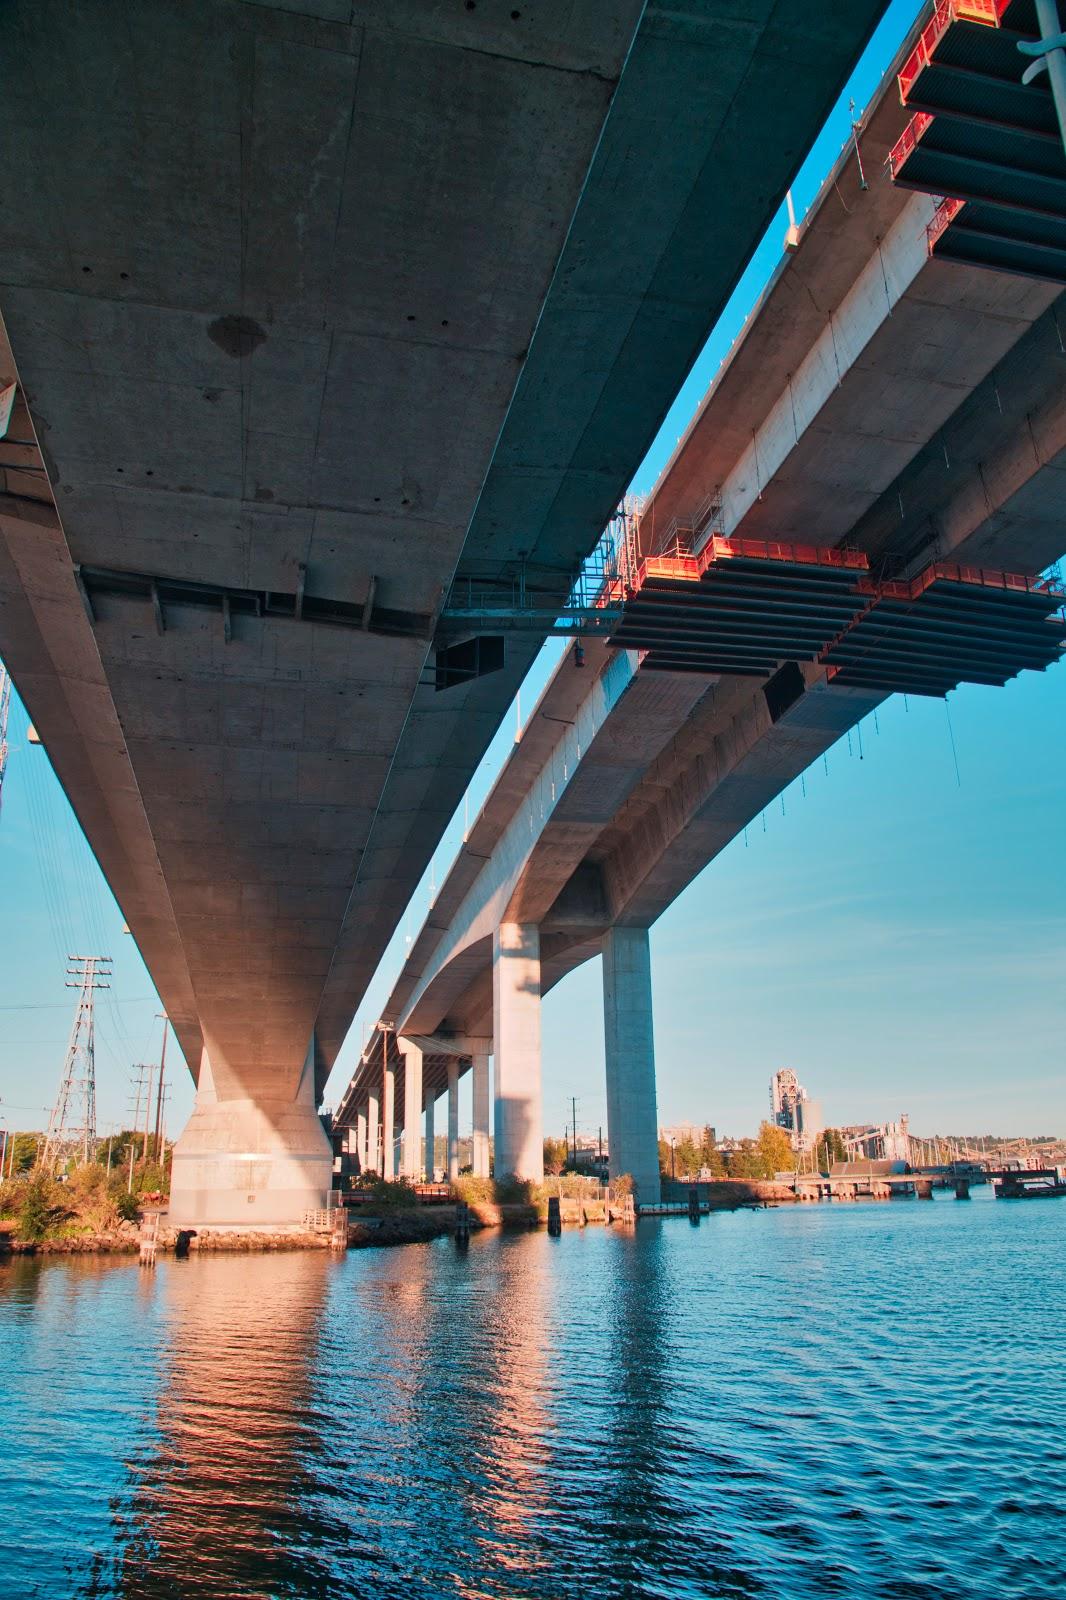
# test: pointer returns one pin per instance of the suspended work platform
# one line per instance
(984, 141)
(952, 624)
(747, 606)
(739, 606)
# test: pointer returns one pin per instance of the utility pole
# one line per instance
(73, 1118)
(160, 1092)
(573, 1113)
(150, 1069)
(141, 1070)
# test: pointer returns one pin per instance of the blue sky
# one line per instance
(897, 933)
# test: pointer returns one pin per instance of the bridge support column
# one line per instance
(251, 1163)
(360, 1137)
(373, 1134)
(388, 1119)
(453, 1117)
(412, 1111)
(479, 1065)
(516, 1029)
(431, 1135)
(632, 1129)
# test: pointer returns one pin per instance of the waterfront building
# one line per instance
(793, 1109)
(879, 1141)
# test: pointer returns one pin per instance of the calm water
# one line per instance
(858, 1401)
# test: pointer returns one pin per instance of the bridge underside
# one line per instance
(307, 310)
(904, 419)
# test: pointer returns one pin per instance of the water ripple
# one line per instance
(859, 1402)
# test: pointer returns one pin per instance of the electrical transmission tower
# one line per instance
(5, 710)
(72, 1125)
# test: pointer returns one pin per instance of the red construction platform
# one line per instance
(983, 138)
(740, 606)
(951, 624)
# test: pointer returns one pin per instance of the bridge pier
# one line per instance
(629, 1047)
(516, 1031)
(388, 1118)
(411, 1159)
(453, 1118)
(360, 1138)
(479, 1064)
(373, 1133)
(431, 1135)
(244, 1162)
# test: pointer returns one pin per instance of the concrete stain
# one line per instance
(237, 336)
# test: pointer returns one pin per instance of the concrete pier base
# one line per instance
(629, 1045)
(253, 1164)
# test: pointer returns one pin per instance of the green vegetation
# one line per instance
(39, 1208)
(556, 1155)
(387, 1194)
(762, 1157)
(831, 1147)
(89, 1200)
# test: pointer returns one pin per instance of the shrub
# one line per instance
(622, 1185)
(126, 1205)
(43, 1208)
(473, 1190)
(391, 1194)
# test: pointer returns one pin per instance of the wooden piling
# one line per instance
(462, 1224)
(555, 1217)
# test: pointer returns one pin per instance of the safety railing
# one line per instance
(944, 14)
(943, 217)
(910, 589)
(718, 549)
(908, 142)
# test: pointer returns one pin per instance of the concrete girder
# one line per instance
(958, 494)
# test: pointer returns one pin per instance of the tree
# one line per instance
(710, 1155)
(774, 1150)
(555, 1156)
(23, 1152)
(686, 1158)
(831, 1147)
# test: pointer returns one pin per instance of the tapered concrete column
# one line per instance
(360, 1137)
(629, 1044)
(246, 1162)
(388, 1121)
(480, 1073)
(516, 1029)
(411, 1160)
(373, 1134)
(453, 1117)
(431, 1134)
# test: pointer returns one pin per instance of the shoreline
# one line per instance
(381, 1230)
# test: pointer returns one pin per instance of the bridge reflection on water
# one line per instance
(792, 1403)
